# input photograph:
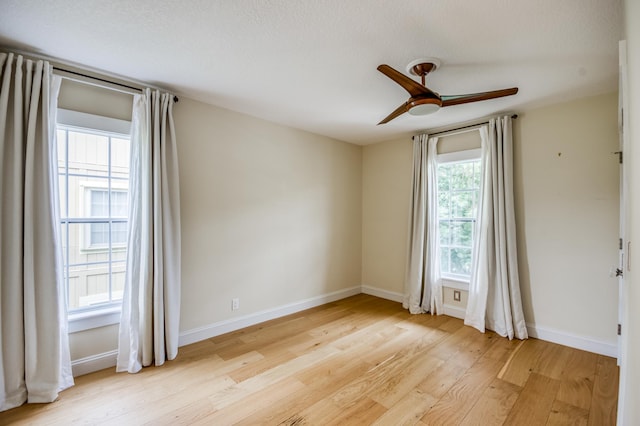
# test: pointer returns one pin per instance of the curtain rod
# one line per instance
(175, 98)
(61, 65)
(514, 116)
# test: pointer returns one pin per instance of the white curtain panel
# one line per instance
(423, 285)
(494, 290)
(33, 336)
(149, 325)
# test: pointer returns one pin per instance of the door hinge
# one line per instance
(619, 156)
(619, 329)
(619, 243)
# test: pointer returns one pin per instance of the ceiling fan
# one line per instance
(425, 101)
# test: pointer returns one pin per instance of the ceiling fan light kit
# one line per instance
(425, 101)
(424, 106)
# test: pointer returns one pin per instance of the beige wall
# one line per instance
(566, 208)
(567, 212)
(270, 215)
(386, 188)
(95, 100)
(89, 343)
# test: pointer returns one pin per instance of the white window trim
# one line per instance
(455, 283)
(86, 320)
(109, 314)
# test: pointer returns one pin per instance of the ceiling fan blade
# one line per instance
(413, 87)
(476, 97)
(398, 111)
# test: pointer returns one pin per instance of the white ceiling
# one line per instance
(311, 64)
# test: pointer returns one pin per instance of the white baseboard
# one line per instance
(104, 360)
(542, 333)
(108, 359)
(572, 340)
(454, 311)
(94, 363)
(383, 294)
(233, 324)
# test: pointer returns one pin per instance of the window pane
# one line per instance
(461, 261)
(76, 233)
(90, 164)
(80, 197)
(117, 282)
(119, 204)
(88, 153)
(444, 260)
(477, 174)
(119, 233)
(88, 285)
(445, 232)
(87, 270)
(118, 254)
(62, 190)
(443, 204)
(63, 242)
(458, 189)
(457, 177)
(94, 252)
(120, 158)
(462, 234)
(98, 234)
(462, 175)
(462, 204)
(443, 177)
(99, 203)
(61, 141)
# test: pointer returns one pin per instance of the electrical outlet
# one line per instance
(456, 295)
(235, 304)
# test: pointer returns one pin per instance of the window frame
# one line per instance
(456, 281)
(108, 313)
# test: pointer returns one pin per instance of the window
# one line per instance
(458, 190)
(99, 207)
(93, 169)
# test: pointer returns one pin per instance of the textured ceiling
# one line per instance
(311, 64)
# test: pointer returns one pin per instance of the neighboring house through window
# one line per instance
(93, 166)
(99, 208)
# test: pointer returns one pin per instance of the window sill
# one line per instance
(82, 321)
(455, 283)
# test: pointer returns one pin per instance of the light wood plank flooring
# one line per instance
(361, 360)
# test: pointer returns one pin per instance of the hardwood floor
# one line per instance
(361, 360)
